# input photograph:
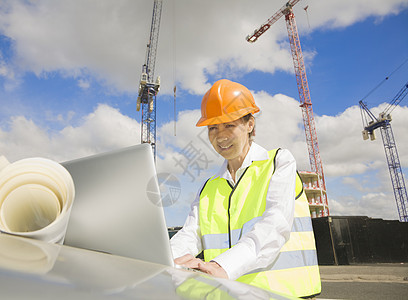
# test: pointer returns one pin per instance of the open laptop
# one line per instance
(117, 207)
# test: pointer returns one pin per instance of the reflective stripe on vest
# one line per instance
(227, 213)
(220, 240)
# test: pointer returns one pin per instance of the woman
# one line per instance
(243, 216)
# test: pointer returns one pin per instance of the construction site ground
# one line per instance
(369, 281)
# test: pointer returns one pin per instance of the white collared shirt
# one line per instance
(260, 246)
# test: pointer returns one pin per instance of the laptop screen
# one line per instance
(117, 207)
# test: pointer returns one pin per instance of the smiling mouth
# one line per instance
(225, 147)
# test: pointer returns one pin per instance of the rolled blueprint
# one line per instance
(36, 196)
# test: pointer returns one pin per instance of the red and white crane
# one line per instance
(303, 88)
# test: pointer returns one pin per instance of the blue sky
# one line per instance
(69, 73)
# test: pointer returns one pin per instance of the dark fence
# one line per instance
(356, 240)
(173, 230)
(359, 240)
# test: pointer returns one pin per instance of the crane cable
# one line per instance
(385, 79)
(307, 14)
(364, 116)
(397, 99)
(174, 64)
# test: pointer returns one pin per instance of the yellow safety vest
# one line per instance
(227, 213)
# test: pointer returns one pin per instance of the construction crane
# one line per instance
(148, 87)
(303, 88)
(371, 123)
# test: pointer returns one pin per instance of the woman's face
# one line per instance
(231, 139)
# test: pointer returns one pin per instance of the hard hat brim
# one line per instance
(227, 117)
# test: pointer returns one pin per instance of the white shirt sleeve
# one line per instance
(188, 239)
(260, 246)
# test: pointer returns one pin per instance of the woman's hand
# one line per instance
(192, 262)
(188, 261)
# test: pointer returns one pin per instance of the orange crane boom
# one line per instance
(303, 87)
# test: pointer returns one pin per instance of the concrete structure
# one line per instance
(315, 193)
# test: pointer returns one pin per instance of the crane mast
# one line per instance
(302, 84)
(390, 147)
(148, 88)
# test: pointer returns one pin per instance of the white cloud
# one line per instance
(354, 191)
(84, 84)
(354, 183)
(278, 112)
(11, 80)
(335, 14)
(375, 205)
(356, 170)
(64, 118)
(73, 37)
(343, 149)
(104, 129)
(105, 42)
(107, 39)
(3, 69)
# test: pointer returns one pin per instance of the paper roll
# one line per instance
(29, 207)
(27, 255)
(36, 197)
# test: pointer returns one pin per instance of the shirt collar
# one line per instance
(255, 153)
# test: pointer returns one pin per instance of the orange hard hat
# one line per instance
(226, 101)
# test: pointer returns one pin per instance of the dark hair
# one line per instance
(245, 119)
